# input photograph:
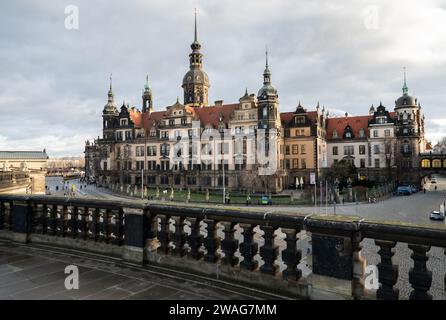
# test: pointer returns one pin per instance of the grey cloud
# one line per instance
(53, 82)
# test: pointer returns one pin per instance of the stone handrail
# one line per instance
(246, 247)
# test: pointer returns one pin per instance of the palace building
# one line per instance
(166, 147)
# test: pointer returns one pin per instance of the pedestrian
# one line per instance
(424, 190)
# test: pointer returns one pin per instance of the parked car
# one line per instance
(404, 190)
(436, 215)
(434, 180)
(414, 189)
(265, 200)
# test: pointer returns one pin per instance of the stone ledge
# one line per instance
(251, 279)
(96, 247)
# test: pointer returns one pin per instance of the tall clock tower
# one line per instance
(196, 82)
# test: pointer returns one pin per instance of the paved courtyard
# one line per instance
(36, 272)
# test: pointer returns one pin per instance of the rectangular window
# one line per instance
(151, 180)
(287, 163)
(349, 150)
(303, 163)
(139, 165)
(362, 163)
(376, 149)
(287, 150)
(302, 149)
(387, 133)
(165, 150)
(295, 149)
(151, 151)
(376, 163)
(362, 149)
(375, 133)
(335, 151)
(140, 151)
(295, 163)
(165, 134)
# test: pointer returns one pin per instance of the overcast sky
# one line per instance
(346, 54)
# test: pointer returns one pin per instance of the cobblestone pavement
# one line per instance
(35, 273)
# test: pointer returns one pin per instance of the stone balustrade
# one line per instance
(243, 247)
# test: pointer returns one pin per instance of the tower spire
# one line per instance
(266, 73)
(405, 88)
(266, 56)
(110, 91)
(195, 34)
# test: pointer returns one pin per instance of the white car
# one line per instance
(434, 180)
(436, 215)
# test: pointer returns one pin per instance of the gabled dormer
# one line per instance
(348, 133)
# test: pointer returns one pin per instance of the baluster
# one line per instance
(195, 239)
(152, 232)
(164, 234)
(44, 218)
(419, 276)
(9, 219)
(211, 242)
(106, 224)
(62, 221)
(2, 215)
(269, 251)
(99, 226)
(84, 223)
(95, 224)
(118, 229)
(74, 222)
(35, 219)
(358, 266)
(229, 245)
(387, 271)
(248, 248)
(291, 256)
(53, 220)
(179, 237)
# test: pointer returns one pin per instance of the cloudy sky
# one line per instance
(348, 55)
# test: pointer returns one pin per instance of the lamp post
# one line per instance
(224, 188)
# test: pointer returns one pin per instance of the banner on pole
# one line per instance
(312, 177)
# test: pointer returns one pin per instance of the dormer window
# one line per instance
(348, 134)
(362, 133)
(335, 134)
(123, 122)
(300, 120)
(381, 120)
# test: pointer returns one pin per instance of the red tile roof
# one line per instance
(209, 115)
(285, 117)
(339, 124)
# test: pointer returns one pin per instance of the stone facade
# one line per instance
(27, 170)
(164, 148)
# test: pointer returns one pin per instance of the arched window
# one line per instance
(426, 163)
(436, 163)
